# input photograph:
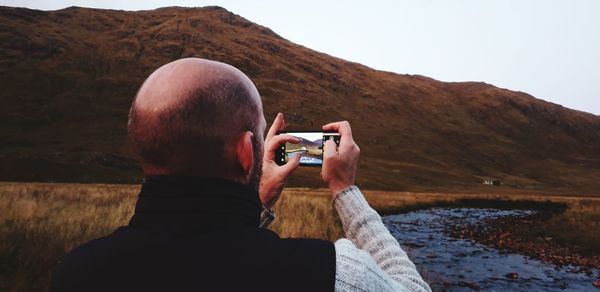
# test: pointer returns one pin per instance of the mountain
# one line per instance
(312, 143)
(68, 78)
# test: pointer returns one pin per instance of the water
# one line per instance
(306, 159)
(451, 264)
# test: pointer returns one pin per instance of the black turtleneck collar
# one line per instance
(204, 204)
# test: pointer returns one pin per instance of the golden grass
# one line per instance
(578, 226)
(306, 213)
(40, 222)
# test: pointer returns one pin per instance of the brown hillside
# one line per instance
(68, 78)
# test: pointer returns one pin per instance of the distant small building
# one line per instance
(491, 182)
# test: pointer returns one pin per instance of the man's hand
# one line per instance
(339, 165)
(274, 176)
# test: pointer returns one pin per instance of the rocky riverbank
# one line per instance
(513, 234)
(450, 263)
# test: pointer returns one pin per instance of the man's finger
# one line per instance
(291, 165)
(278, 125)
(329, 149)
(342, 127)
(345, 131)
(273, 144)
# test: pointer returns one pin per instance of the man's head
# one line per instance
(197, 117)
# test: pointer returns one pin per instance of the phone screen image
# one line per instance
(310, 147)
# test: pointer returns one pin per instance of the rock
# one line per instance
(512, 275)
(474, 286)
(471, 285)
(560, 284)
(413, 245)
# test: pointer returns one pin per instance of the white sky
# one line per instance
(550, 49)
(311, 136)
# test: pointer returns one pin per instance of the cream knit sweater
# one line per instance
(370, 259)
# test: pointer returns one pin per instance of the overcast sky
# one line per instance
(550, 49)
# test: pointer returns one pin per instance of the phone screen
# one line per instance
(310, 147)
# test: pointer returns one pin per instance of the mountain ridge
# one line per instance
(70, 75)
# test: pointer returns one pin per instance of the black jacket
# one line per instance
(194, 234)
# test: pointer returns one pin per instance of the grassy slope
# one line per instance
(68, 77)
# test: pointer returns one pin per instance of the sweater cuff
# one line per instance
(349, 203)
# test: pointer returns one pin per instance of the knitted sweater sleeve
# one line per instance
(370, 259)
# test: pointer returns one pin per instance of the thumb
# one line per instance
(291, 165)
(329, 149)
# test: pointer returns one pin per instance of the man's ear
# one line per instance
(245, 153)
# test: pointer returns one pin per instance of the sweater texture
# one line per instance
(370, 258)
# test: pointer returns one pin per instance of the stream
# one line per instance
(450, 264)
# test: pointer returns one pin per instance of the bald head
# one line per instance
(187, 114)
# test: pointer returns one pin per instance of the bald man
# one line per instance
(210, 181)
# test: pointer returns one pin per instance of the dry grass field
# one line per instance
(39, 222)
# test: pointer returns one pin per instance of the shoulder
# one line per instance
(85, 263)
(300, 249)
(92, 250)
(308, 263)
(299, 245)
(77, 266)
(99, 248)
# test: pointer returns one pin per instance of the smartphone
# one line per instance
(310, 147)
